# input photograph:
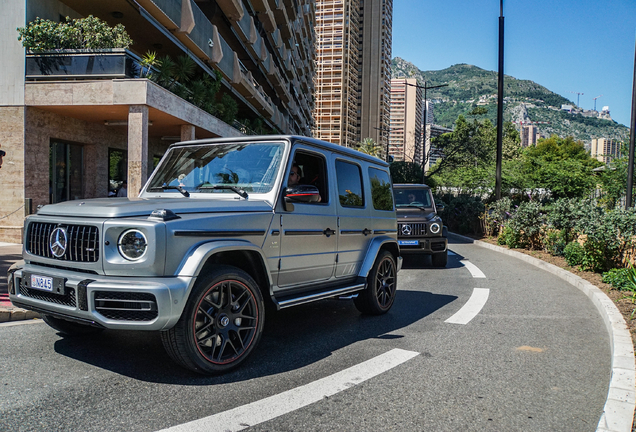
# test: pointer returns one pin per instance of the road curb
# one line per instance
(17, 314)
(618, 412)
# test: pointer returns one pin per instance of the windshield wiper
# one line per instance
(235, 189)
(165, 186)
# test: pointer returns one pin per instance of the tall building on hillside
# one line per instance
(74, 126)
(604, 149)
(405, 123)
(353, 70)
(336, 112)
(529, 135)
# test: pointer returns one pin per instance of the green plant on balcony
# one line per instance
(83, 33)
(183, 78)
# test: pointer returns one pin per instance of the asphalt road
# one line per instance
(535, 357)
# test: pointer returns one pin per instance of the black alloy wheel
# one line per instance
(221, 324)
(379, 295)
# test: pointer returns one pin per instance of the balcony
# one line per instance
(81, 64)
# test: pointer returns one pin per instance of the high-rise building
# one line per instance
(337, 86)
(406, 115)
(353, 70)
(529, 135)
(72, 125)
(604, 149)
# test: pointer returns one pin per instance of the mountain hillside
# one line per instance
(525, 101)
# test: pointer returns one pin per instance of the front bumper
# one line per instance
(429, 245)
(124, 303)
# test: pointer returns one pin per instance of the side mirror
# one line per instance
(302, 194)
(439, 207)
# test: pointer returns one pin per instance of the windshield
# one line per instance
(412, 198)
(219, 168)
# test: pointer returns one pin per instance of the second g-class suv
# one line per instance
(221, 227)
(420, 229)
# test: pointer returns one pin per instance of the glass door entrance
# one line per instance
(66, 172)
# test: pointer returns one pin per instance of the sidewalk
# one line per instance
(9, 254)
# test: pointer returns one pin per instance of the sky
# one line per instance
(567, 46)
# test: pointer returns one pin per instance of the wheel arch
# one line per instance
(377, 245)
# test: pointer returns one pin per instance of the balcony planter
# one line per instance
(81, 64)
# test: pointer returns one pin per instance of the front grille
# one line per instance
(417, 229)
(125, 306)
(67, 299)
(82, 242)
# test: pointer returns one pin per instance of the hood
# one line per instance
(415, 214)
(125, 207)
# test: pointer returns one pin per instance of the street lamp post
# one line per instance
(425, 87)
(632, 124)
(500, 91)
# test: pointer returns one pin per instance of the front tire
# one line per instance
(378, 296)
(221, 323)
(69, 328)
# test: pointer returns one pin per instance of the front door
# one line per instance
(308, 232)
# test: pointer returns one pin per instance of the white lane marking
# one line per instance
(472, 307)
(472, 268)
(451, 253)
(266, 409)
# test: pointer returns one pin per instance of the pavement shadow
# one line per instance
(292, 338)
(420, 262)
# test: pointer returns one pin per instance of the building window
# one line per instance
(117, 169)
(66, 167)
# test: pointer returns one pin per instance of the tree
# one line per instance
(406, 172)
(368, 146)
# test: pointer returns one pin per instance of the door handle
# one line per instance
(329, 232)
(366, 231)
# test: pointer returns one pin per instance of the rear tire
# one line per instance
(377, 298)
(221, 323)
(440, 259)
(70, 328)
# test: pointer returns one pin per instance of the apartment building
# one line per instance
(336, 112)
(67, 120)
(405, 121)
(353, 70)
(605, 149)
(529, 135)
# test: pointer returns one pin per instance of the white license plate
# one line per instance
(408, 242)
(42, 283)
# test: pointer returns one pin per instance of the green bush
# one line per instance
(573, 254)
(462, 214)
(82, 33)
(554, 241)
(528, 221)
(496, 216)
(617, 277)
(511, 238)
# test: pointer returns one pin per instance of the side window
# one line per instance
(309, 169)
(381, 189)
(349, 184)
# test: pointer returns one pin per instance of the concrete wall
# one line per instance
(11, 53)
(12, 174)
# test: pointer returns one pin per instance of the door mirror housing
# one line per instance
(302, 194)
(439, 207)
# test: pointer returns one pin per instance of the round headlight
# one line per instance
(434, 227)
(132, 244)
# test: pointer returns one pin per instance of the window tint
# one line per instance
(349, 184)
(309, 169)
(380, 189)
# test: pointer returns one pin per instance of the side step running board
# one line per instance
(315, 296)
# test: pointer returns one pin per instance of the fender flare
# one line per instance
(372, 252)
(191, 266)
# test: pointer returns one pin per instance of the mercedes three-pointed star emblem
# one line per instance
(406, 229)
(58, 242)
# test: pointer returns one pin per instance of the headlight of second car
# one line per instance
(132, 244)
(434, 228)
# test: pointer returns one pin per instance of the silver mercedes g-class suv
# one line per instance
(221, 227)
